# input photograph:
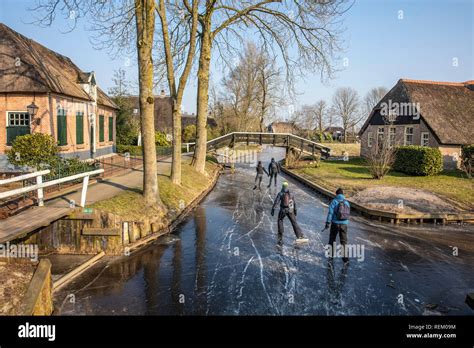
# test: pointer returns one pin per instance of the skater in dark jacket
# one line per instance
(259, 177)
(287, 208)
(273, 171)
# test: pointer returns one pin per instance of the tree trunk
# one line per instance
(145, 21)
(176, 163)
(199, 160)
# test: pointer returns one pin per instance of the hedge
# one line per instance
(135, 150)
(418, 160)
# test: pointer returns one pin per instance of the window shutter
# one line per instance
(80, 128)
(101, 128)
(62, 127)
(111, 129)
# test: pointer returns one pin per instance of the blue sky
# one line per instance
(380, 47)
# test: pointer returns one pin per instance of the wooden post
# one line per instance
(85, 182)
(274, 139)
(260, 138)
(39, 181)
(247, 139)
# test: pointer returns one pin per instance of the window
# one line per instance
(62, 127)
(425, 139)
(79, 128)
(101, 128)
(18, 123)
(369, 139)
(111, 128)
(380, 133)
(408, 135)
(392, 135)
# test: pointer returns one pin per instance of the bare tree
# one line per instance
(305, 119)
(320, 114)
(381, 157)
(373, 97)
(303, 33)
(269, 95)
(346, 107)
(116, 26)
(252, 90)
(171, 34)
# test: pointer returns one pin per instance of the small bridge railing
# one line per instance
(275, 139)
(40, 185)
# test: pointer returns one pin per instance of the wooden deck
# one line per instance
(20, 225)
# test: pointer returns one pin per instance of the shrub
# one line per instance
(160, 139)
(328, 137)
(212, 133)
(35, 150)
(132, 150)
(61, 167)
(189, 133)
(467, 159)
(418, 160)
(380, 159)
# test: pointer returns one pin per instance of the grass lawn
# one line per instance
(337, 149)
(129, 203)
(354, 176)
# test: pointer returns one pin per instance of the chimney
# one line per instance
(469, 84)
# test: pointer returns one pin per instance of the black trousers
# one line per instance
(273, 176)
(296, 228)
(341, 230)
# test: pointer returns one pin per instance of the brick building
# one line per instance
(70, 105)
(426, 113)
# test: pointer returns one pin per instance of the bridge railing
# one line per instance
(276, 139)
(40, 185)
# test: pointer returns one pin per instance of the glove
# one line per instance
(327, 225)
(273, 212)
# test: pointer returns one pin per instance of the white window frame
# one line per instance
(406, 133)
(427, 139)
(392, 136)
(370, 139)
(7, 119)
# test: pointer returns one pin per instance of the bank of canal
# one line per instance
(223, 259)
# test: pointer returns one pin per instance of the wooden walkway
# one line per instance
(30, 220)
(20, 225)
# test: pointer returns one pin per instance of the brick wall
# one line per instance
(45, 121)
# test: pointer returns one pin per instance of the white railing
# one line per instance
(40, 185)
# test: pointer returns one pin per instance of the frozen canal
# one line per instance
(223, 260)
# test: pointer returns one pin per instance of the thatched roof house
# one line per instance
(70, 105)
(428, 113)
(30, 67)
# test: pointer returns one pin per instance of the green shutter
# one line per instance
(101, 128)
(80, 128)
(13, 132)
(62, 127)
(111, 129)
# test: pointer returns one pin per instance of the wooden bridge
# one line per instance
(276, 139)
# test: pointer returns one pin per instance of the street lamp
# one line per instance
(32, 109)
